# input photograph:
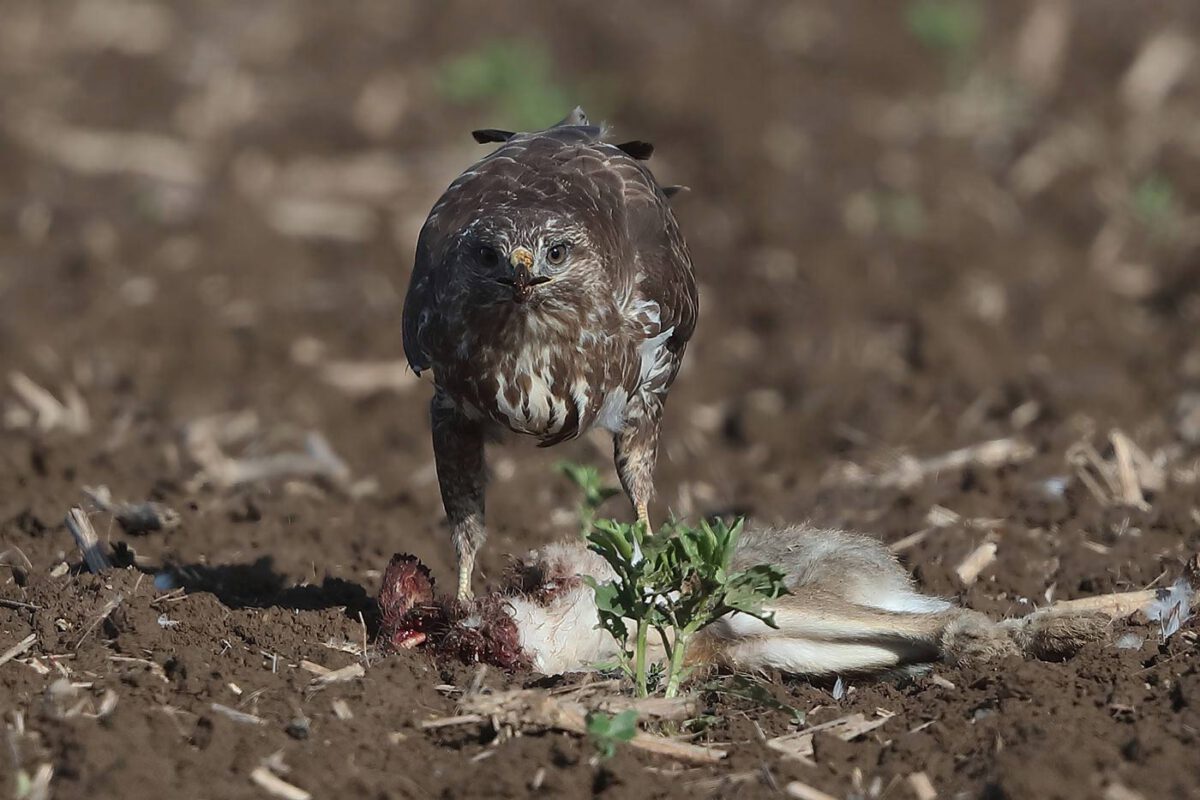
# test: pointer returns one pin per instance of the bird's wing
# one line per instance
(430, 279)
(420, 302)
(663, 266)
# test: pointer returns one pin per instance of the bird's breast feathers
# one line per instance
(555, 380)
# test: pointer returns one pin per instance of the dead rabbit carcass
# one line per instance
(851, 609)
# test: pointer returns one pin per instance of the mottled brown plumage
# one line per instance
(552, 293)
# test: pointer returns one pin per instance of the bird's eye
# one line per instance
(557, 254)
(488, 256)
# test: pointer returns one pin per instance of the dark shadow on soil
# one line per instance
(259, 585)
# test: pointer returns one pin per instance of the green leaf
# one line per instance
(606, 593)
(517, 78)
(623, 726)
(606, 732)
(681, 584)
(1156, 206)
(733, 535)
(948, 26)
(587, 479)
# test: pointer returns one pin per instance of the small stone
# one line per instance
(299, 728)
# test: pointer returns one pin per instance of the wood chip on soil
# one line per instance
(93, 550)
(18, 648)
(802, 791)
(237, 716)
(276, 786)
(800, 744)
(976, 562)
(921, 786)
(339, 675)
(523, 709)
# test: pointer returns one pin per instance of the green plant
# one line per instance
(607, 731)
(949, 27)
(592, 488)
(1154, 204)
(674, 583)
(902, 213)
(517, 78)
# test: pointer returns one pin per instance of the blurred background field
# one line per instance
(918, 227)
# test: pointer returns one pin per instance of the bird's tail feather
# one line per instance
(575, 118)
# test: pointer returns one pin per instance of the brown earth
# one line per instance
(903, 250)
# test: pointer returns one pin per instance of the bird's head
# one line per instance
(531, 257)
(543, 222)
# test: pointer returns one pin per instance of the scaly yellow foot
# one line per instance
(643, 515)
(466, 565)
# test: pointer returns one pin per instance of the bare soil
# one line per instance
(903, 251)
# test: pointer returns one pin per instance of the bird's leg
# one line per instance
(458, 452)
(635, 449)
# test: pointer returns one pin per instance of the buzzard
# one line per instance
(552, 293)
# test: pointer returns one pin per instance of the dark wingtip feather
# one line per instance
(486, 135)
(671, 191)
(637, 149)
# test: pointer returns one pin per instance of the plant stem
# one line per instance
(639, 659)
(675, 671)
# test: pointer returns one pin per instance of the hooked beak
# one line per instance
(523, 279)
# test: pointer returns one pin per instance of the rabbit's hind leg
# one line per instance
(972, 638)
(819, 634)
(815, 657)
